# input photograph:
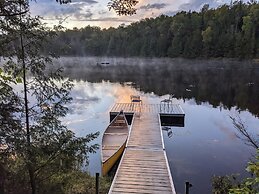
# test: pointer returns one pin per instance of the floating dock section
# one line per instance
(170, 114)
(144, 166)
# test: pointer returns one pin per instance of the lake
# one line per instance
(208, 91)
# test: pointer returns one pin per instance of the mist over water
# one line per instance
(208, 91)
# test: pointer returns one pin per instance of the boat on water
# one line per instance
(114, 142)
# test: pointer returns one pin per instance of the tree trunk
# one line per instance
(2, 179)
(28, 133)
(32, 179)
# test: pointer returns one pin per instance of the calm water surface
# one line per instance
(209, 92)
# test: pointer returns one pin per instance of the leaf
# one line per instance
(18, 80)
(5, 78)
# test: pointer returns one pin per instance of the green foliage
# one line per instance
(249, 185)
(123, 7)
(76, 182)
(35, 146)
(70, 182)
(207, 35)
(230, 184)
(228, 31)
(222, 184)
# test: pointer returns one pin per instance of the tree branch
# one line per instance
(245, 135)
(8, 14)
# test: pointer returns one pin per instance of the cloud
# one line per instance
(84, 1)
(106, 19)
(78, 10)
(196, 5)
(95, 12)
(171, 13)
(153, 6)
(102, 12)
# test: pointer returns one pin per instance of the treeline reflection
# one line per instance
(226, 84)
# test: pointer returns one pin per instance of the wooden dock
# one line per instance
(144, 166)
(170, 114)
(171, 109)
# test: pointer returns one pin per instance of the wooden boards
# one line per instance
(145, 133)
(170, 108)
(144, 166)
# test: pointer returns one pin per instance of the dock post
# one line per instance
(97, 183)
(187, 187)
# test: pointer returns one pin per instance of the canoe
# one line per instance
(114, 142)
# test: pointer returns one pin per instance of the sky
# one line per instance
(81, 13)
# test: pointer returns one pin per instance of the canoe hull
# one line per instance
(114, 142)
(108, 164)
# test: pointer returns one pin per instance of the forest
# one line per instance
(229, 31)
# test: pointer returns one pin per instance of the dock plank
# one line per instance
(144, 166)
(148, 108)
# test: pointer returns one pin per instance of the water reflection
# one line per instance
(90, 110)
(220, 83)
(207, 146)
(208, 93)
(168, 130)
